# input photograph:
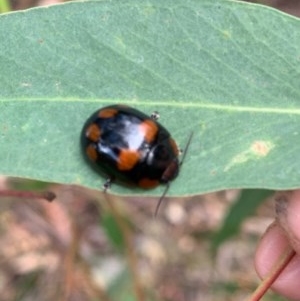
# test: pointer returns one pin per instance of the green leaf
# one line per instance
(4, 6)
(113, 231)
(243, 207)
(225, 70)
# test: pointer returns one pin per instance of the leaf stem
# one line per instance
(46, 195)
(130, 250)
(273, 274)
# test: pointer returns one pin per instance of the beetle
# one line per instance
(130, 147)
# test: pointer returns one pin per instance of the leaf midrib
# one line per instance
(207, 106)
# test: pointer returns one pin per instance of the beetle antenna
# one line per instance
(161, 199)
(168, 184)
(186, 147)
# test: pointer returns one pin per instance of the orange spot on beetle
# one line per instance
(127, 159)
(148, 183)
(91, 153)
(149, 129)
(108, 113)
(93, 132)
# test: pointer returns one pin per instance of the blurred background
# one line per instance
(80, 247)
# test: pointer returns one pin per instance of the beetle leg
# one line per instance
(107, 183)
(154, 115)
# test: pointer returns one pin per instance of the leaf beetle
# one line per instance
(128, 146)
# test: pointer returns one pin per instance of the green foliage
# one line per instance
(225, 70)
(244, 207)
(4, 6)
(228, 71)
(113, 231)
